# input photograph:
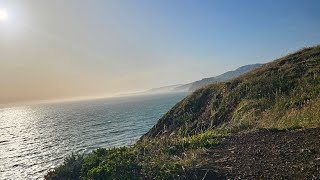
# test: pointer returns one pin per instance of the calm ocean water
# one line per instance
(36, 138)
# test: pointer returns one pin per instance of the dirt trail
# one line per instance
(266, 154)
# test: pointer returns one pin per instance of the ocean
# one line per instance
(35, 138)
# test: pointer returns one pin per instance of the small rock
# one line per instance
(305, 150)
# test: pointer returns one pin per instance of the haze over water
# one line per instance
(67, 49)
(36, 138)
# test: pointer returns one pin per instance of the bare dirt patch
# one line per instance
(266, 154)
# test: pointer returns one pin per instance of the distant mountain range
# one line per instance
(164, 89)
(190, 87)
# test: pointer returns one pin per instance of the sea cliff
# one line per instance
(263, 124)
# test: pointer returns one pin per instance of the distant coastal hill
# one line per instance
(165, 89)
(191, 87)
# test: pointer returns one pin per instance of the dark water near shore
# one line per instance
(36, 138)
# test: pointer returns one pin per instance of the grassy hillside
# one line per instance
(284, 94)
(280, 94)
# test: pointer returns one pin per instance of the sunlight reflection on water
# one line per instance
(36, 138)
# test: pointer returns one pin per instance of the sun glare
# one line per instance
(3, 15)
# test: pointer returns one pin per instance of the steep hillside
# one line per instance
(280, 94)
(262, 125)
(223, 77)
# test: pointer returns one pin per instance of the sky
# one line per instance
(63, 49)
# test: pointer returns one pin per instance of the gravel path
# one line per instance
(266, 154)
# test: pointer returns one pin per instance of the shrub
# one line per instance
(115, 163)
(70, 169)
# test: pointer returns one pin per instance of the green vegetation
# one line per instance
(284, 94)
(70, 169)
(167, 158)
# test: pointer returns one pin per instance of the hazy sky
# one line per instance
(66, 48)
